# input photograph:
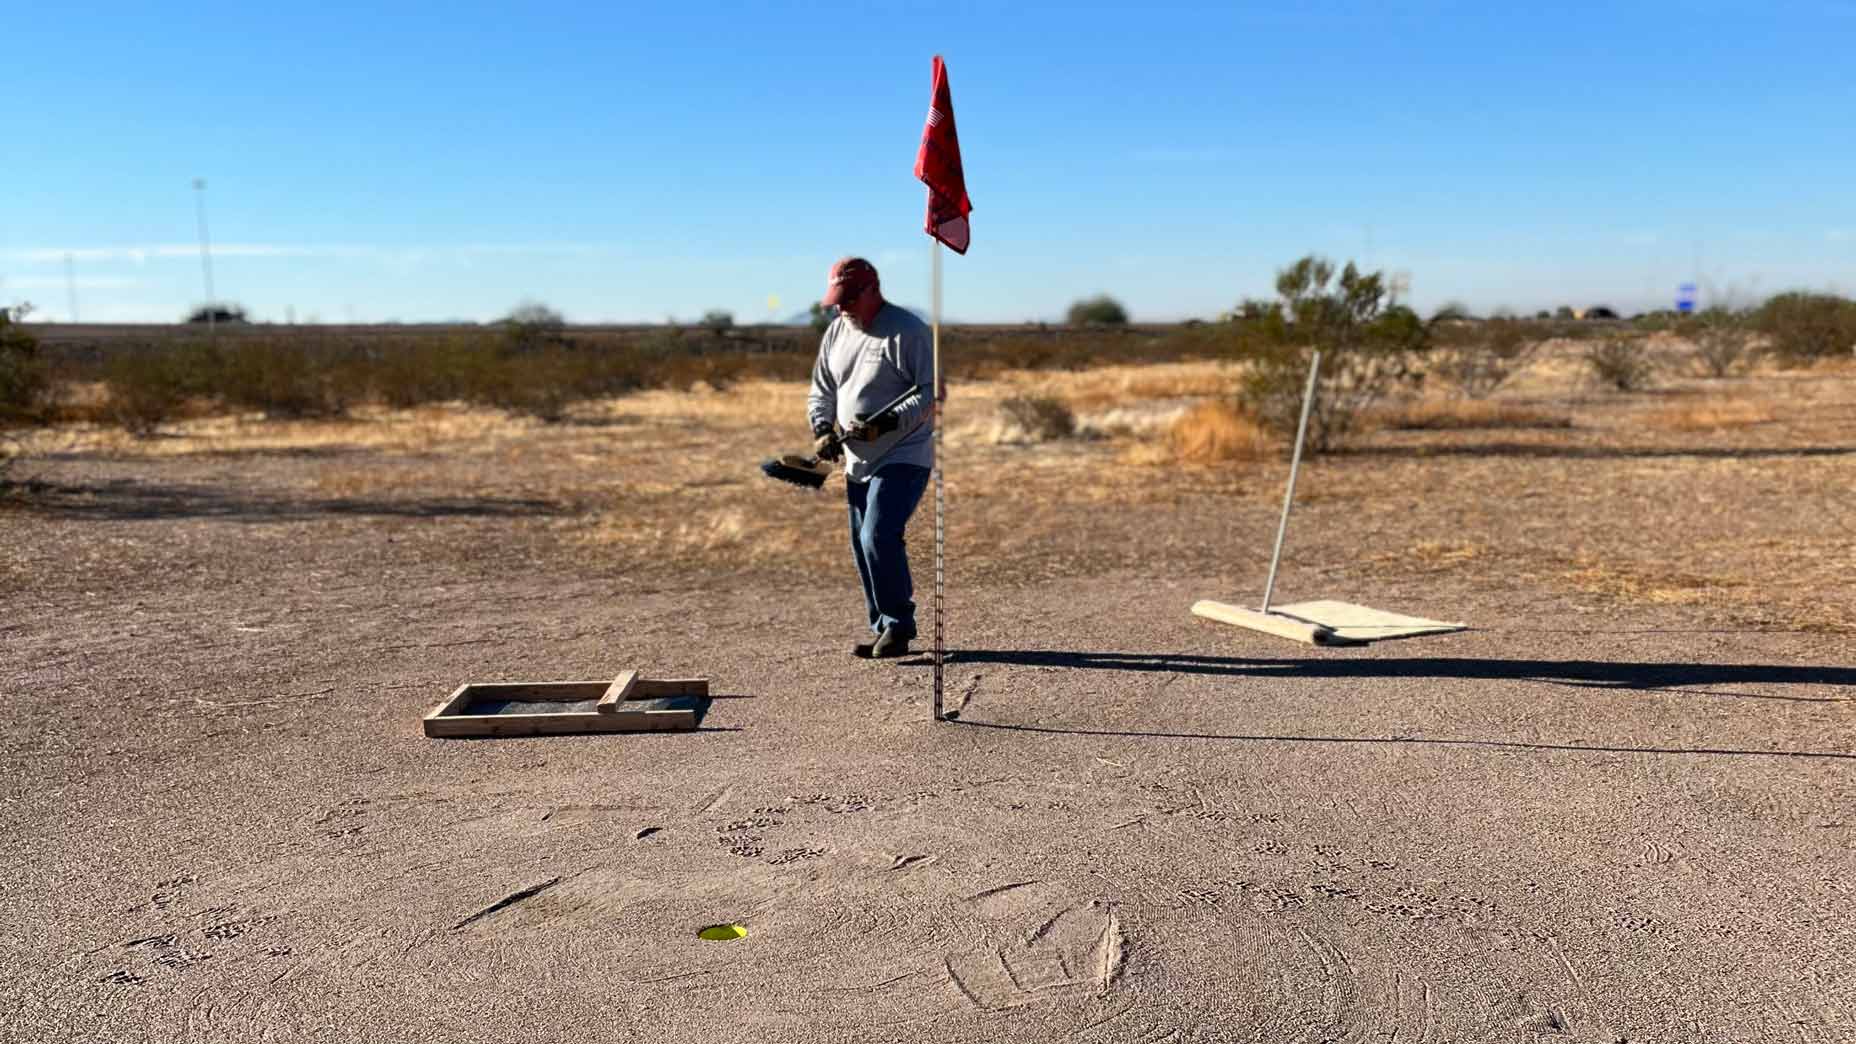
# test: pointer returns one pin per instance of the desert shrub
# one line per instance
(1251, 309)
(819, 316)
(1101, 310)
(312, 371)
(540, 384)
(1804, 327)
(1472, 414)
(1722, 341)
(532, 326)
(437, 369)
(148, 386)
(286, 377)
(717, 321)
(1480, 359)
(535, 314)
(1367, 349)
(1621, 363)
(716, 370)
(213, 314)
(278, 376)
(546, 383)
(23, 376)
(1042, 418)
(23, 386)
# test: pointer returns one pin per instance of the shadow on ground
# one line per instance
(1427, 741)
(1595, 674)
(1672, 677)
(330, 452)
(1525, 449)
(129, 500)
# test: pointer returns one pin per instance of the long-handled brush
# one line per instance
(811, 472)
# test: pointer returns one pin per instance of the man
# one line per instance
(871, 353)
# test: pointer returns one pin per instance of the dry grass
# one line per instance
(749, 403)
(1117, 387)
(1433, 556)
(1209, 433)
(1033, 418)
(1714, 414)
(418, 430)
(730, 531)
(1629, 583)
(666, 480)
(1467, 414)
(448, 426)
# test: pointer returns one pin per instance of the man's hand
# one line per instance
(827, 447)
(865, 430)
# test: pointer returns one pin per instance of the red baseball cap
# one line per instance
(849, 277)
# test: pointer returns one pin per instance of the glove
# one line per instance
(870, 429)
(827, 447)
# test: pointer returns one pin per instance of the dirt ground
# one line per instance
(1619, 807)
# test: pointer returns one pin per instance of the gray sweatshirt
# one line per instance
(860, 371)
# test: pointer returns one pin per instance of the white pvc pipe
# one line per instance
(1288, 496)
(940, 531)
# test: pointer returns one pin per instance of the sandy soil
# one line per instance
(1618, 808)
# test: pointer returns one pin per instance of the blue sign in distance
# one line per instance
(1685, 298)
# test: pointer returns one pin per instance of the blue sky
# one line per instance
(634, 164)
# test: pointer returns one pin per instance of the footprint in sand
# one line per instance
(1040, 944)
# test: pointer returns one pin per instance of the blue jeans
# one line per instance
(880, 510)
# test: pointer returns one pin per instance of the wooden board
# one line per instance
(618, 692)
(1364, 623)
(459, 698)
(541, 691)
(1326, 622)
(1270, 623)
(626, 704)
(647, 689)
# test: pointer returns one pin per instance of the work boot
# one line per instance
(890, 643)
(862, 650)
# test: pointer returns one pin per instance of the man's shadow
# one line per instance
(1687, 679)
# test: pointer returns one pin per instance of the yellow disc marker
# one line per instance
(723, 933)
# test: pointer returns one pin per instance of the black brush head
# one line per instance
(809, 472)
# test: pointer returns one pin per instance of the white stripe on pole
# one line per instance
(1295, 465)
(940, 532)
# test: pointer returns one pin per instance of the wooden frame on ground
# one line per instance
(628, 703)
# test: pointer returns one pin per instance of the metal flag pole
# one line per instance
(940, 531)
(1295, 465)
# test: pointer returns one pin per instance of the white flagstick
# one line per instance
(940, 533)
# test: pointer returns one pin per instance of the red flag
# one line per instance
(938, 165)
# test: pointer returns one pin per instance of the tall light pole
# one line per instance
(206, 252)
(70, 286)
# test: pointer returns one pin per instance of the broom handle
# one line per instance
(838, 437)
(1295, 465)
